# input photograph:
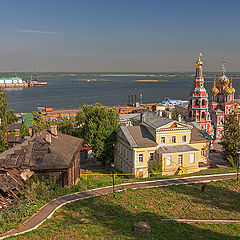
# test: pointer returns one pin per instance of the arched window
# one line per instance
(197, 102)
(203, 102)
(203, 115)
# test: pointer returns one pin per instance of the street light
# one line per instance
(238, 165)
(113, 180)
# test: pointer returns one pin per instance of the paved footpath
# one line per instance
(47, 210)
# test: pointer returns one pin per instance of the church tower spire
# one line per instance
(198, 99)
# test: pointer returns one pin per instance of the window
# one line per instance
(168, 160)
(163, 139)
(192, 158)
(184, 138)
(127, 153)
(140, 157)
(173, 139)
(203, 152)
(151, 156)
(180, 160)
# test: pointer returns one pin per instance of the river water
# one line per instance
(74, 91)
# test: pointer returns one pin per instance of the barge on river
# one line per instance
(18, 82)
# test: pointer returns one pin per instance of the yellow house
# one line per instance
(179, 148)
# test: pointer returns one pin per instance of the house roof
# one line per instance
(37, 154)
(198, 134)
(176, 149)
(138, 136)
(153, 120)
(14, 126)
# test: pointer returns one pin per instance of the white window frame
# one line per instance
(180, 160)
(168, 160)
(192, 158)
(141, 155)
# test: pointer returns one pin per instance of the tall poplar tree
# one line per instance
(3, 120)
(230, 140)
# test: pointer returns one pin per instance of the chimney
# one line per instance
(129, 101)
(48, 138)
(179, 117)
(141, 99)
(142, 118)
(135, 100)
(132, 100)
(53, 130)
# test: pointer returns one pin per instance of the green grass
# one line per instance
(107, 217)
(16, 215)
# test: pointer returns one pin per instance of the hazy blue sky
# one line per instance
(118, 35)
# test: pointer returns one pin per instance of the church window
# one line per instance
(203, 115)
(203, 102)
(197, 102)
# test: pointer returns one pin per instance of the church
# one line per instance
(210, 115)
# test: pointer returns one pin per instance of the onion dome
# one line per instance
(227, 91)
(214, 91)
(224, 80)
(232, 90)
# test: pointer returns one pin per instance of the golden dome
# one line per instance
(227, 91)
(214, 91)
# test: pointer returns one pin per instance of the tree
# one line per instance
(230, 140)
(3, 120)
(175, 115)
(164, 114)
(97, 125)
(66, 125)
(3, 110)
(24, 131)
(11, 117)
(41, 123)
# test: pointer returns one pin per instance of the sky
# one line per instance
(118, 35)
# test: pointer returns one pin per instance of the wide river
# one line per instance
(74, 91)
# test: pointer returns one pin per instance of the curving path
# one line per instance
(47, 210)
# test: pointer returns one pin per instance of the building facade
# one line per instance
(198, 100)
(178, 147)
(222, 102)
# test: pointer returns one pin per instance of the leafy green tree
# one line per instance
(41, 123)
(230, 140)
(97, 125)
(3, 110)
(66, 125)
(164, 114)
(11, 117)
(24, 131)
(175, 115)
(3, 142)
(3, 120)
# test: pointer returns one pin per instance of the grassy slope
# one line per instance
(107, 217)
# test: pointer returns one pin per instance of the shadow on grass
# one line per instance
(96, 219)
(214, 194)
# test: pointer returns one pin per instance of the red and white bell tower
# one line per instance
(198, 100)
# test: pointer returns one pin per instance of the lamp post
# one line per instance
(113, 180)
(238, 165)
